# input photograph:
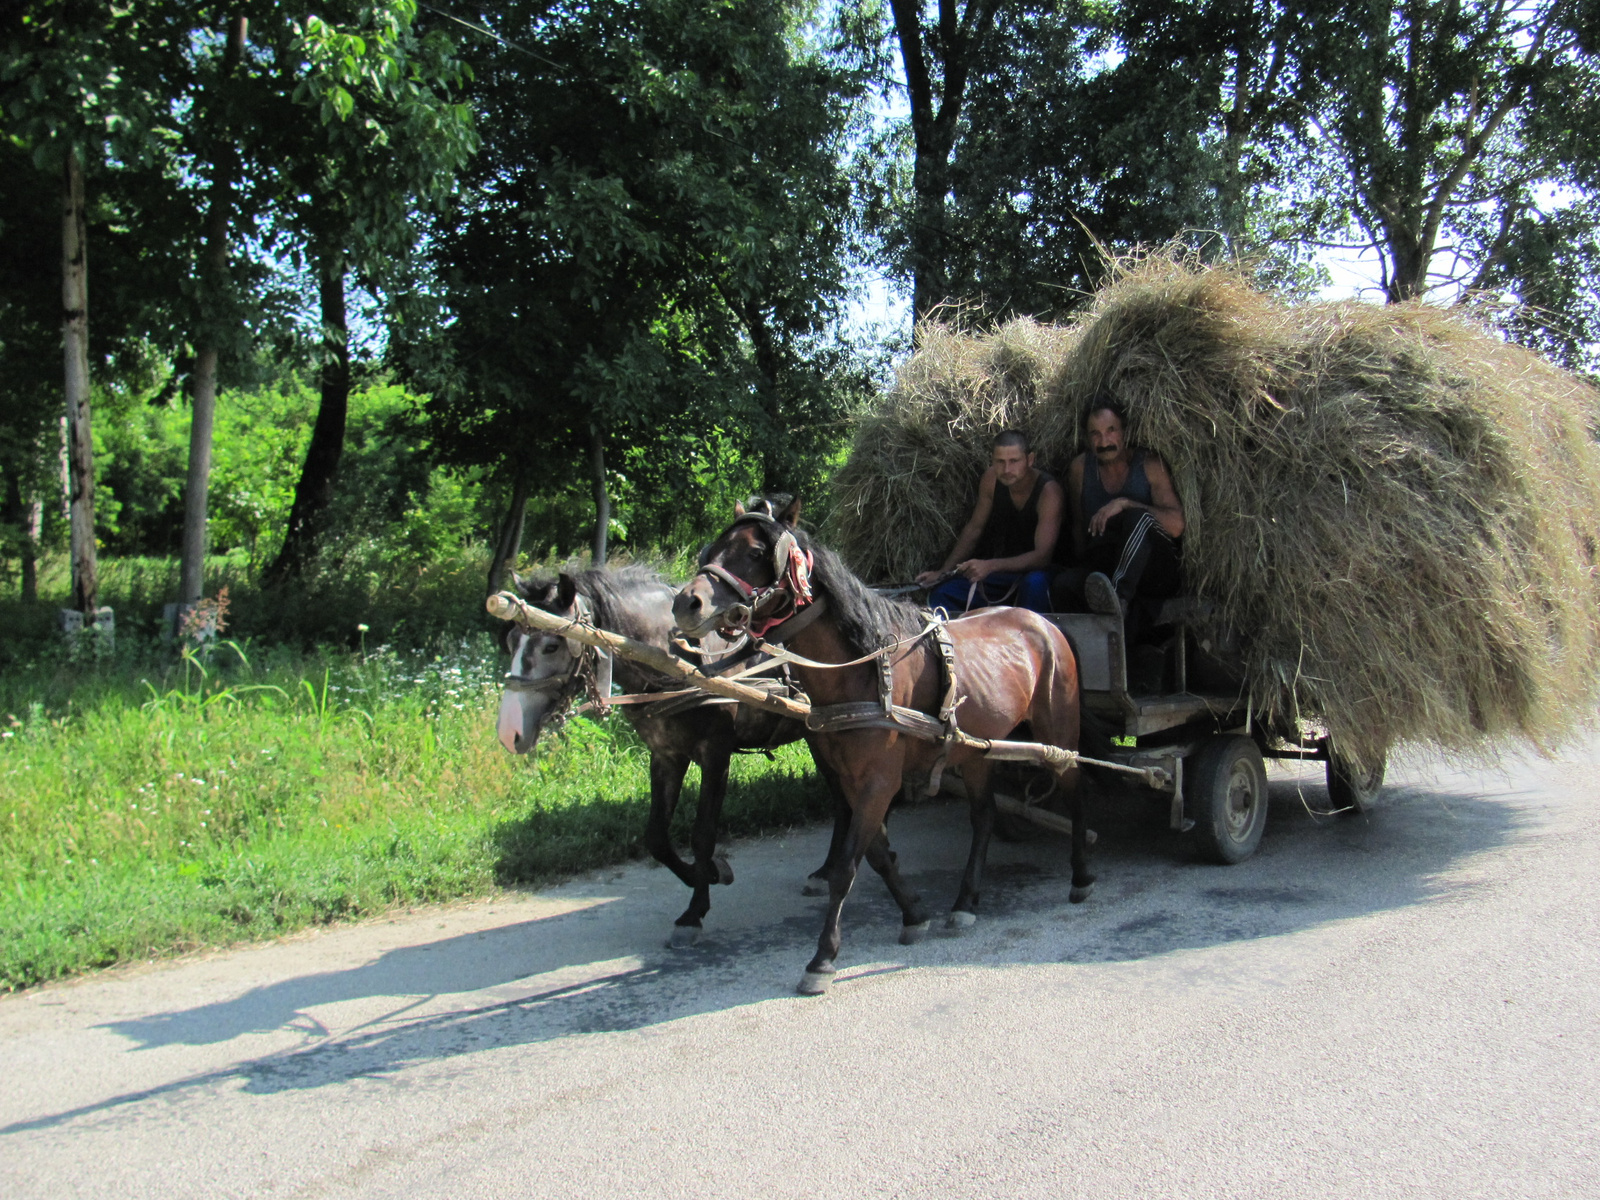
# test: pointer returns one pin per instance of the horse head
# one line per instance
(545, 670)
(757, 568)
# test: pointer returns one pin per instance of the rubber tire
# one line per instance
(1350, 790)
(1225, 793)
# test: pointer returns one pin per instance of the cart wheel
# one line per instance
(1350, 789)
(1226, 794)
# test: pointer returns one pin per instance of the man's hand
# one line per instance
(1098, 522)
(975, 570)
(929, 579)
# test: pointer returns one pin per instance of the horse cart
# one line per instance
(1181, 712)
(1181, 726)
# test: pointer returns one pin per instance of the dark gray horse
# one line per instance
(548, 671)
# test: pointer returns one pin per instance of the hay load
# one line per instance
(1394, 509)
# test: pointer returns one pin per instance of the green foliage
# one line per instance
(673, 282)
(147, 809)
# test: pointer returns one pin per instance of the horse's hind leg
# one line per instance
(707, 868)
(976, 775)
(1058, 721)
(1070, 784)
(666, 784)
(913, 918)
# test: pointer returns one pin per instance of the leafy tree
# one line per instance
(941, 49)
(81, 89)
(365, 124)
(1451, 120)
(615, 301)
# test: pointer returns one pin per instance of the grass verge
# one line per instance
(151, 806)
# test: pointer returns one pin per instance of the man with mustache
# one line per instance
(1003, 556)
(1126, 522)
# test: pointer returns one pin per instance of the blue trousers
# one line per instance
(1033, 591)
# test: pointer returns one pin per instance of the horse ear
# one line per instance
(738, 508)
(519, 585)
(566, 591)
(790, 515)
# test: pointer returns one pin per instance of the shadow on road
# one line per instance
(604, 968)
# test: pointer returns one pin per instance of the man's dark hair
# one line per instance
(1105, 403)
(1010, 437)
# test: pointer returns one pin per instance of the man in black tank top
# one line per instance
(1003, 555)
(1126, 521)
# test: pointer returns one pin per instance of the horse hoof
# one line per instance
(814, 886)
(1079, 894)
(815, 983)
(910, 935)
(960, 919)
(724, 871)
(684, 936)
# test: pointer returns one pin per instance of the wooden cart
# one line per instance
(1187, 715)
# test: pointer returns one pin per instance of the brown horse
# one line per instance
(1011, 667)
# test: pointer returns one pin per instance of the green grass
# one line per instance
(151, 805)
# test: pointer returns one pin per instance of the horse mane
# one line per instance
(866, 620)
(607, 588)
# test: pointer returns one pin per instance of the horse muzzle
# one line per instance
(696, 615)
(522, 712)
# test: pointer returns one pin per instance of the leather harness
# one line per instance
(883, 713)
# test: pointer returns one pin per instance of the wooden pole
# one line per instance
(512, 608)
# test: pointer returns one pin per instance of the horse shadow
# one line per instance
(603, 967)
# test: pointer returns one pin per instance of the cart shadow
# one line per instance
(604, 968)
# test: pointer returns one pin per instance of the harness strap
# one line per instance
(947, 706)
(799, 660)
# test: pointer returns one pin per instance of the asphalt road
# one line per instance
(1401, 1005)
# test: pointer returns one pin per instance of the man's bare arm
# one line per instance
(967, 542)
(1165, 507)
(1168, 509)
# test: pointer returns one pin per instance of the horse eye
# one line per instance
(548, 650)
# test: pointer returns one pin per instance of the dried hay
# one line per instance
(1394, 508)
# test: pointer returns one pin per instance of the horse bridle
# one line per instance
(784, 581)
(590, 669)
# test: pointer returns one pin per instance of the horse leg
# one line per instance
(708, 868)
(666, 784)
(871, 793)
(1070, 783)
(976, 775)
(816, 883)
(913, 918)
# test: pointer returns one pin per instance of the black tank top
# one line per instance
(1095, 496)
(1010, 530)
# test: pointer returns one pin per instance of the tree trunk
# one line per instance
(25, 515)
(1409, 259)
(775, 457)
(75, 346)
(602, 495)
(930, 183)
(314, 492)
(509, 544)
(954, 46)
(33, 524)
(191, 574)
